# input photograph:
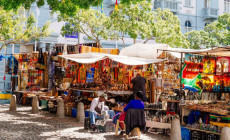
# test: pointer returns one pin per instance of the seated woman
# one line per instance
(137, 103)
(134, 104)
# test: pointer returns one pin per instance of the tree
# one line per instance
(16, 29)
(131, 20)
(91, 23)
(68, 7)
(139, 20)
(166, 29)
(214, 34)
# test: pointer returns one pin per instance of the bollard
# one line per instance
(80, 112)
(225, 134)
(175, 129)
(61, 108)
(35, 108)
(13, 103)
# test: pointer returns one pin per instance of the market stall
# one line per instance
(205, 92)
(95, 73)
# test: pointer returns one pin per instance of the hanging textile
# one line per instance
(40, 64)
(51, 70)
(12, 65)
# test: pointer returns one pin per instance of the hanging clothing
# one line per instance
(12, 65)
(51, 70)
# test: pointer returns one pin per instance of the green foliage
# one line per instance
(131, 20)
(68, 7)
(90, 22)
(64, 6)
(139, 20)
(16, 29)
(214, 34)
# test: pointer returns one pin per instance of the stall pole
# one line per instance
(181, 61)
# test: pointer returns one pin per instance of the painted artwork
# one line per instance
(222, 65)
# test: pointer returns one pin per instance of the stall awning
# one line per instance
(89, 58)
(217, 51)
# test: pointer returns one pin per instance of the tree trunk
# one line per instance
(123, 41)
(134, 41)
(146, 40)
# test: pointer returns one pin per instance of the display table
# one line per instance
(202, 130)
(160, 125)
(103, 91)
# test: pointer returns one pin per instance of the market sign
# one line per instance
(73, 35)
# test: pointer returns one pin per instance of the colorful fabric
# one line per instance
(190, 84)
(116, 6)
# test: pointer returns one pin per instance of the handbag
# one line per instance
(98, 110)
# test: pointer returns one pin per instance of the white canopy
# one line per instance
(150, 51)
(89, 58)
(141, 50)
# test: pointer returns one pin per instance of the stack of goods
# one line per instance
(160, 116)
(157, 106)
(221, 108)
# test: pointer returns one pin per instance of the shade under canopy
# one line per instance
(89, 58)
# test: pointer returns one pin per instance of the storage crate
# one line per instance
(87, 113)
(210, 136)
(185, 133)
(197, 135)
(44, 105)
(74, 112)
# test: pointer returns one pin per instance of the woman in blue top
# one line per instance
(134, 104)
(137, 103)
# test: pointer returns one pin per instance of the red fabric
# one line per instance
(122, 118)
(171, 113)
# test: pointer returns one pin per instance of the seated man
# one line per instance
(96, 108)
(133, 104)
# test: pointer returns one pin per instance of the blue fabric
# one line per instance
(94, 116)
(116, 117)
(193, 117)
(135, 104)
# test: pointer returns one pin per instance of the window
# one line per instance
(227, 6)
(187, 2)
(188, 26)
(207, 3)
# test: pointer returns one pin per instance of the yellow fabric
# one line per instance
(116, 7)
(220, 124)
(5, 96)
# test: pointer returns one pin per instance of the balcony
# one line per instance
(172, 5)
(210, 13)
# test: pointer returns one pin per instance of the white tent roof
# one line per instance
(89, 58)
(152, 51)
(141, 50)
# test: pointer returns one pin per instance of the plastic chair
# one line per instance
(136, 129)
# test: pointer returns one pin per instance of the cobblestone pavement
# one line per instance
(23, 125)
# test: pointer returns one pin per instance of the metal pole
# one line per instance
(37, 13)
(181, 61)
(78, 36)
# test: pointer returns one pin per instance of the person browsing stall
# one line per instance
(96, 108)
(138, 84)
